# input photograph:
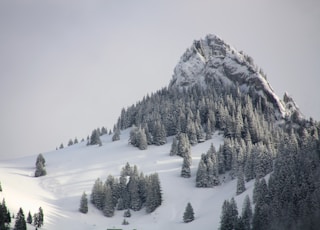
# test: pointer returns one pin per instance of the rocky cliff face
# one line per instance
(211, 58)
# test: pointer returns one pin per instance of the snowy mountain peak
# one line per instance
(212, 58)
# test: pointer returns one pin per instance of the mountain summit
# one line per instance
(212, 58)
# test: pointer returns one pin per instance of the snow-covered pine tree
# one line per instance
(202, 176)
(40, 159)
(108, 206)
(95, 138)
(188, 214)
(127, 213)
(183, 145)
(159, 134)
(20, 223)
(246, 213)
(174, 147)
(261, 216)
(29, 218)
(185, 170)
(116, 135)
(83, 203)
(142, 139)
(5, 217)
(229, 215)
(154, 196)
(97, 195)
(240, 183)
(40, 166)
(133, 189)
(70, 142)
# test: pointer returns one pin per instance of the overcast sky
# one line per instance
(67, 67)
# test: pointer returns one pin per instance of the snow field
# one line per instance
(73, 170)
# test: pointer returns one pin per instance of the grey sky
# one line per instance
(67, 67)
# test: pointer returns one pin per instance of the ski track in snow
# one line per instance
(73, 170)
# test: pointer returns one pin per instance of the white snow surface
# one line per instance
(73, 170)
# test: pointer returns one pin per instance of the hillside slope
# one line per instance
(74, 169)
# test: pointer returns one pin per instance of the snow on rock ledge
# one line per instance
(213, 58)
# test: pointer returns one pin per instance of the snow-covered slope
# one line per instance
(74, 169)
(213, 58)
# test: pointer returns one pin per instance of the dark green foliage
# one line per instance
(83, 203)
(0, 187)
(188, 214)
(20, 223)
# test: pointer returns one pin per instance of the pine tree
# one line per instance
(108, 207)
(116, 135)
(142, 139)
(40, 159)
(183, 145)
(125, 222)
(201, 177)
(40, 166)
(70, 142)
(83, 203)
(40, 217)
(133, 189)
(97, 195)
(0, 187)
(188, 214)
(261, 209)
(154, 196)
(5, 218)
(174, 147)
(246, 213)
(240, 183)
(127, 213)
(229, 215)
(185, 170)
(95, 138)
(29, 218)
(20, 221)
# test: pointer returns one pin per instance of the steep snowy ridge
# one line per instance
(213, 58)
